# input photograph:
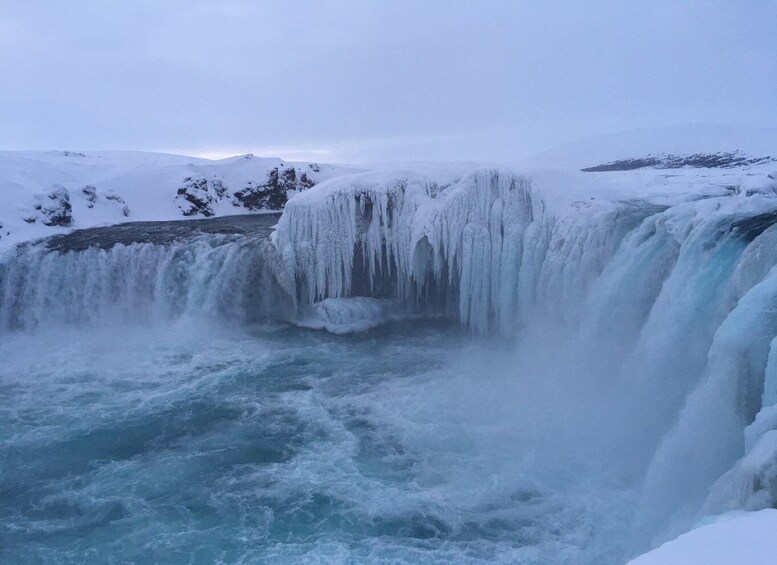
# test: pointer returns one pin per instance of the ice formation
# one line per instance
(351, 315)
(463, 240)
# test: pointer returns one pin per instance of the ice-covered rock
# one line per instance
(53, 207)
(92, 196)
(196, 196)
(111, 196)
(351, 315)
(90, 193)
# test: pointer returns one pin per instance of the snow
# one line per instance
(744, 538)
(146, 183)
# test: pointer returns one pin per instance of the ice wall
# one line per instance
(482, 244)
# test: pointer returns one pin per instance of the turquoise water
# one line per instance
(192, 445)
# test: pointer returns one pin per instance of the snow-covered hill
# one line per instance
(43, 193)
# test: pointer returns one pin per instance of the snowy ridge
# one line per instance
(680, 139)
(44, 193)
(725, 160)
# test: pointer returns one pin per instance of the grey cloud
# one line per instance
(376, 80)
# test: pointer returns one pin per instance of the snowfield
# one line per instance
(48, 192)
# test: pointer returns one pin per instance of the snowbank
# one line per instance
(741, 538)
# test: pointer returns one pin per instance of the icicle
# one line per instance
(471, 232)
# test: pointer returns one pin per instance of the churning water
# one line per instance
(192, 445)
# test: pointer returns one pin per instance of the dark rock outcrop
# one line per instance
(198, 195)
(273, 193)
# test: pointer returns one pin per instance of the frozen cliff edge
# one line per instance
(456, 244)
(480, 246)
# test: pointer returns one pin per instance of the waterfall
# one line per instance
(225, 277)
(672, 305)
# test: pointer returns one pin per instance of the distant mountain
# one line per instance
(723, 160)
(681, 141)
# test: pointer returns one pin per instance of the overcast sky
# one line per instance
(364, 81)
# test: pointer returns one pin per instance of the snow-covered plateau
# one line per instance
(46, 192)
(569, 360)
